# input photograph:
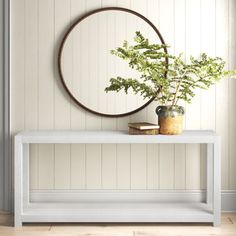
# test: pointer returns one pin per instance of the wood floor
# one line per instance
(228, 228)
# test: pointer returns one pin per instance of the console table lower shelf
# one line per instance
(115, 211)
(118, 212)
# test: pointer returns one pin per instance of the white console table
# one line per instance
(27, 211)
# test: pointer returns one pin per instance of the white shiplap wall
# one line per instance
(39, 101)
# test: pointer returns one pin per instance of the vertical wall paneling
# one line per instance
(46, 90)
(18, 67)
(193, 47)
(153, 14)
(77, 119)
(62, 166)
(138, 166)
(123, 166)
(109, 152)
(93, 166)
(61, 98)
(93, 122)
(166, 166)
(62, 108)
(121, 123)
(78, 165)
(193, 162)
(38, 100)
(167, 151)
(232, 95)
(109, 166)
(180, 166)
(179, 47)
(45, 64)
(46, 166)
(207, 97)
(152, 166)
(112, 157)
(93, 152)
(31, 64)
(193, 111)
(139, 156)
(222, 88)
(31, 80)
(208, 46)
(123, 158)
(137, 5)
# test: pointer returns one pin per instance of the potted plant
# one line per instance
(167, 78)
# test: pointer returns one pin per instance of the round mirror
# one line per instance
(86, 63)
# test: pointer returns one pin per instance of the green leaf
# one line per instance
(164, 76)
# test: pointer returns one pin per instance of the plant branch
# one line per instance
(159, 78)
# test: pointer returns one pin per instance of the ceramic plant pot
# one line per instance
(170, 119)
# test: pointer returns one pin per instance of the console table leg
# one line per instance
(18, 181)
(217, 183)
(25, 174)
(209, 192)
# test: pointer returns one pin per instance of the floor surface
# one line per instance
(228, 228)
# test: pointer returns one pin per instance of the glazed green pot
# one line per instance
(170, 119)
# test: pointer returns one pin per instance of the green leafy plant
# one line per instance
(167, 78)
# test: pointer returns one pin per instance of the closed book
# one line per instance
(143, 126)
(134, 131)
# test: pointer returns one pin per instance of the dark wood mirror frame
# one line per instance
(64, 40)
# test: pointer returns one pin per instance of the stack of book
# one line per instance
(143, 128)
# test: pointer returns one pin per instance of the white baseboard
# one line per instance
(228, 200)
(228, 196)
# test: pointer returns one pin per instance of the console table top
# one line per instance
(52, 136)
